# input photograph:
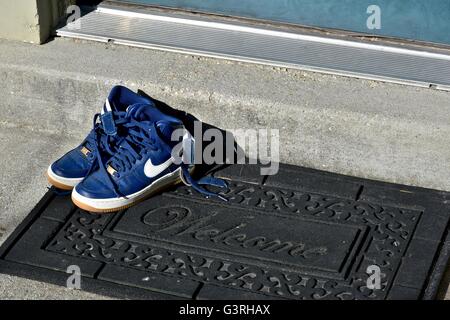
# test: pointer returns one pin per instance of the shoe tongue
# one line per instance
(165, 129)
(114, 101)
(108, 106)
(137, 111)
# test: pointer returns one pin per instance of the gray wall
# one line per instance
(30, 20)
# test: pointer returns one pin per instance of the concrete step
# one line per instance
(363, 128)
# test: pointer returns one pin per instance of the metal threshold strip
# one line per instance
(250, 43)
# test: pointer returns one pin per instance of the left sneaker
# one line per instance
(145, 163)
(69, 170)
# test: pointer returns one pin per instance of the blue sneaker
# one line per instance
(146, 161)
(66, 172)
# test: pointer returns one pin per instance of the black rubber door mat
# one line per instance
(301, 234)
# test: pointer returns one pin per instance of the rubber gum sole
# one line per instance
(89, 208)
(57, 184)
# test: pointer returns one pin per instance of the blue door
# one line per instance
(424, 20)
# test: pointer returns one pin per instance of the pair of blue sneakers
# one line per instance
(128, 156)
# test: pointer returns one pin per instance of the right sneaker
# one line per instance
(66, 172)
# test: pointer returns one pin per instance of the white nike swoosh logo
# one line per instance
(152, 171)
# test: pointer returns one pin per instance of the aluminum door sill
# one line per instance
(239, 41)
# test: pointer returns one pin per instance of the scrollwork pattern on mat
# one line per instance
(390, 230)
